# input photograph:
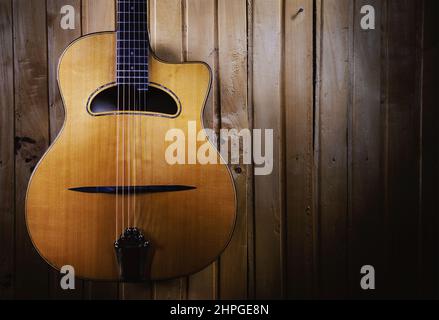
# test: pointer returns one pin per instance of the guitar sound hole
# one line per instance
(128, 99)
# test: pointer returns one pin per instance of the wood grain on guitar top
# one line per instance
(188, 230)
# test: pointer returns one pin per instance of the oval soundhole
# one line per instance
(130, 99)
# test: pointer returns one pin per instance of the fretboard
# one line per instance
(132, 43)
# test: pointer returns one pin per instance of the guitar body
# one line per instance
(187, 229)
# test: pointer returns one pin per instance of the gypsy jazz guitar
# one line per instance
(104, 199)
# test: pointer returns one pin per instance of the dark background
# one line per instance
(356, 166)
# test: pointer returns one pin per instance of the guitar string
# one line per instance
(122, 114)
(137, 105)
(146, 85)
(130, 12)
(132, 86)
(133, 139)
(123, 119)
(142, 20)
(128, 98)
(136, 35)
(145, 69)
(146, 89)
(137, 119)
(118, 39)
(142, 24)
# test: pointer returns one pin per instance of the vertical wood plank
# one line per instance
(233, 86)
(7, 194)
(403, 112)
(167, 39)
(299, 120)
(365, 142)
(366, 231)
(58, 39)
(430, 155)
(32, 135)
(201, 45)
(166, 28)
(334, 28)
(251, 264)
(98, 16)
(268, 112)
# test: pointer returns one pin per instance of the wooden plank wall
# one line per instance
(7, 165)
(58, 40)
(369, 148)
(430, 159)
(355, 179)
(31, 134)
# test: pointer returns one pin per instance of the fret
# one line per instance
(130, 13)
(130, 52)
(132, 74)
(131, 27)
(131, 48)
(132, 31)
(135, 84)
(128, 37)
(127, 72)
(132, 43)
(129, 18)
(131, 60)
(121, 70)
(129, 56)
(133, 64)
(130, 2)
(134, 79)
(128, 48)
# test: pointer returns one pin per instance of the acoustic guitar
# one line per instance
(104, 199)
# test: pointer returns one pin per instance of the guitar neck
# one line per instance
(132, 42)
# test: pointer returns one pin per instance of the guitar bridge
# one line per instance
(132, 252)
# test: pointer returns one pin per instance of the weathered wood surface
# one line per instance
(364, 146)
(369, 147)
(57, 40)
(430, 160)
(334, 30)
(268, 110)
(402, 167)
(31, 135)
(7, 166)
(300, 225)
(233, 93)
